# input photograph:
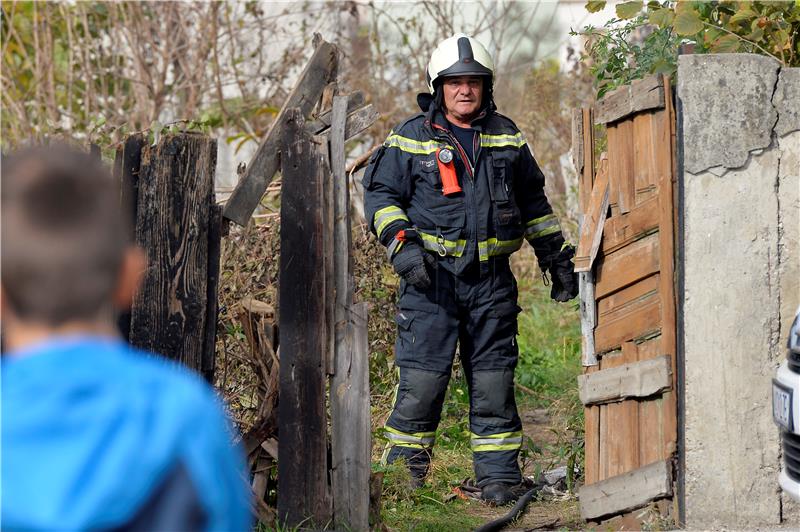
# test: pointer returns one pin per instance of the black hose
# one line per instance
(516, 512)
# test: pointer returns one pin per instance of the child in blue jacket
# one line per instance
(95, 434)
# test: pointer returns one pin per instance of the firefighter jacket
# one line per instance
(501, 203)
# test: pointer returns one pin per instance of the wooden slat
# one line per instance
(320, 70)
(634, 379)
(620, 164)
(628, 437)
(349, 402)
(645, 320)
(651, 411)
(627, 491)
(640, 95)
(621, 230)
(593, 222)
(303, 492)
(626, 266)
(666, 187)
(577, 150)
(588, 310)
(629, 299)
(175, 195)
(591, 416)
(645, 131)
(611, 416)
(587, 177)
(357, 121)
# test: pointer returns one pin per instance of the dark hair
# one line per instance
(64, 234)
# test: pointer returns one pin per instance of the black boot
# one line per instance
(501, 493)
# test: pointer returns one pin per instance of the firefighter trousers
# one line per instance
(475, 311)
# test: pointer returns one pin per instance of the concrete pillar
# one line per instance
(741, 198)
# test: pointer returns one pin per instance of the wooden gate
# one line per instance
(626, 259)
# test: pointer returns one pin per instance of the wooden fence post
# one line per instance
(350, 419)
(303, 495)
(172, 187)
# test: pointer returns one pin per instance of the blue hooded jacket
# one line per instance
(98, 435)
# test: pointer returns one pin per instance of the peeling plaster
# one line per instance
(737, 120)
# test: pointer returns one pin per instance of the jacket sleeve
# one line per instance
(387, 192)
(542, 230)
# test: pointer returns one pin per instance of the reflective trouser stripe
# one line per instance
(539, 227)
(505, 441)
(415, 440)
(387, 215)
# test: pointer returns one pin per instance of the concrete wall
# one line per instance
(741, 201)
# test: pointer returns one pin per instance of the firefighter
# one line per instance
(452, 192)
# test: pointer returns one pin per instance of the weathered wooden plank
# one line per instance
(627, 440)
(627, 265)
(593, 223)
(176, 187)
(645, 320)
(355, 100)
(611, 416)
(627, 491)
(320, 70)
(350, 426)
(639, 95)
(634, 379)
(629, 299)
(666, 229)
(620, 164)
(350, 415)
(588, 312)
(621, 230)
(577, 154)
(215, 229)
(357, 121)
(645, 129)
(303, 495)
(127, 163)
(651, 411)
(587, 177)
(591, 416)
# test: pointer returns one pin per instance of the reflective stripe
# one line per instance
(442, 246)
(498, 141)
(505, 441)
(494, 247)
(413, 146)
(543, 226)
(415, 440)
(386, 216)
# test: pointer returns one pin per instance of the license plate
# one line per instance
(782, 405)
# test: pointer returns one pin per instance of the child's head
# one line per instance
(66, 247)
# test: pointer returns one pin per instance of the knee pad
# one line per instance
(493, 403)
(420, 395)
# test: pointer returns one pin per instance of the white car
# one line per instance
(786, 411)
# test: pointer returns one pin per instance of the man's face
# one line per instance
(463, 96)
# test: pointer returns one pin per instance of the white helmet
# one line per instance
(459, 55)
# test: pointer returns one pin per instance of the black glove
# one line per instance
(562, 272)
(410, 263)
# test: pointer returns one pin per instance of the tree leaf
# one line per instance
(662, 17)
(743, 15)
(688, 22)
(593, 6)
(728, 44)
(628, 10)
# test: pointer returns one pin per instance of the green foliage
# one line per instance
(644, 38)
